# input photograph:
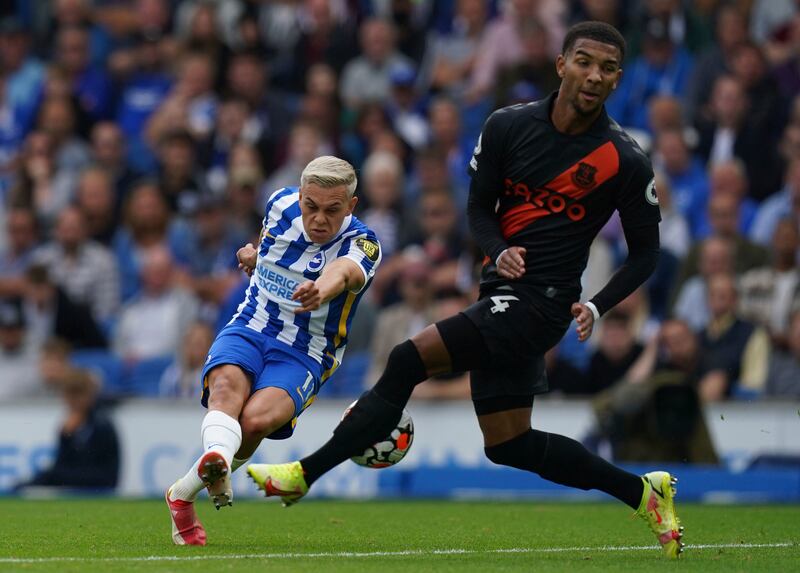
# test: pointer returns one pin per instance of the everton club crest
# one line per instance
(584, 175)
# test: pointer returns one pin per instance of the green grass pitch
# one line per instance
(321, 536)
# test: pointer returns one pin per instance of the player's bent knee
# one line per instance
(524, 452)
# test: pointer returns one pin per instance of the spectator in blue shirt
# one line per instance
(662, 69)
(686, 176)
(90, 85)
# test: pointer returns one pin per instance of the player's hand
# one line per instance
(247, 257)
(511, 263)
(585, 319)
(309, 297)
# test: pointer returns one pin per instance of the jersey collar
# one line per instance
(541, 111)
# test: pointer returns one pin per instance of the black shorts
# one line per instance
(517, 328)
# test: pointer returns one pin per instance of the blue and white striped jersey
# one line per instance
(286, 259)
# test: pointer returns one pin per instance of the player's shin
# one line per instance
(564, 461)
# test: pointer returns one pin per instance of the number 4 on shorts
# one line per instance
(500, 304)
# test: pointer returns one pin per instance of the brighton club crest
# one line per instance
(584, 175)
(316, 263)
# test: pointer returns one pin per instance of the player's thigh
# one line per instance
(293, 373)
(267, 410)
(499, 427)
(234, 360)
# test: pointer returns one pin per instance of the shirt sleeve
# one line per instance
(364, 250)
(637, 200)
(485, 169)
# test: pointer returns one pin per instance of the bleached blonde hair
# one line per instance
(328, 171)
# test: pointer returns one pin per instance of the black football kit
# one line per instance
(551, 193)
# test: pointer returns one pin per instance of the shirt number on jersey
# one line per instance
(500, 304)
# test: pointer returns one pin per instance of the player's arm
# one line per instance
(637, 203)
(486, 183)
(643, 249)
(342, 274)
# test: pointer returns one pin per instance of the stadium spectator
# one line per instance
(768, 109)
(270, 114)
(662, 69)
(242, 193)
(730, 178)
(145, 84)
(91, 86)
(614, 12)
(382, 181)
(58, 119)
(405, 107)
(730, 29)
(365, 78)
(616, 352)
(413, 312)
(18, 353)
(723, 218)
(233, 125)
(206, 246)
(51, 313)
(729, 133)
(691, 304)
(681, 21)
(95, 198)
(38, 184)
(88, 455)
(147, 224)
(22, 234)
(182, 377)
(685, 174)
(327, 37)
(109, 151)
(450, 56)
(783, 378)
(769, 295)
(447, 134)
(655, 412)
(305, 143)
(534, 76)
(674, 229)
(501, 45)
(190, 105)
(783, 204)
(153, 323)
(180, 177)
(21, 82)
(738, 347)
(84, 268)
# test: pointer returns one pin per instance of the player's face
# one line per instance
(589, 73)
(323, 210)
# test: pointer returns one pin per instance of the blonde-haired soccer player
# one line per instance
(311, 267)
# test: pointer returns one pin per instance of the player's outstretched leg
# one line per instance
(658, 510)
(564, 461)
(377, 412)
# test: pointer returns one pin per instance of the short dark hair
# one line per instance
(593, 30)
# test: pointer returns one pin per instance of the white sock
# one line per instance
(237, 463)
(219, 432)
(188, 486)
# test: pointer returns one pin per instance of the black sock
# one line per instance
(564, 461)
(375, 414)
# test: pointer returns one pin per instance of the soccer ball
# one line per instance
(391, 450)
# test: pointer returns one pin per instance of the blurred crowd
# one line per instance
(139, 140)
